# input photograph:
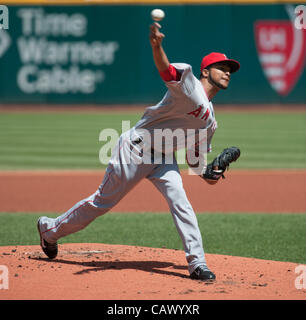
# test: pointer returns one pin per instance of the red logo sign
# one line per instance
(281, 50)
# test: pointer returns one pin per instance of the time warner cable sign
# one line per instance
(81, 54)
(55, 53)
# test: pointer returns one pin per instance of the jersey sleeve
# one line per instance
(196, 154)
(171, 74)
(210, 133)
(186, 84)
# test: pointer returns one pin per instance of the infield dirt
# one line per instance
(117, 272)
(102, 271)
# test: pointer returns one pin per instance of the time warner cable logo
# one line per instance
(4, 17)
(300, 20)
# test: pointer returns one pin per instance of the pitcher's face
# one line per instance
(219, 75)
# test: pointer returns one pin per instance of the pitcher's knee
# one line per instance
(102, 203)
(177, 198)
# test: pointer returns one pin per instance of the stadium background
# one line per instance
(97, 52)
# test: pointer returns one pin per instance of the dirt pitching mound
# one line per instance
(117, 272)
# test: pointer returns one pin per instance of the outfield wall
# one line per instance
(99, 52)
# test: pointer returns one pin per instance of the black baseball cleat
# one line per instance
(50, 249)
(202, 274)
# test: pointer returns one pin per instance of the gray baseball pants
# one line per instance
(121, 176)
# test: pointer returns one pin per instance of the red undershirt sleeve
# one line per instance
(171, 74)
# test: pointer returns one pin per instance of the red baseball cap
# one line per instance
(215, 57)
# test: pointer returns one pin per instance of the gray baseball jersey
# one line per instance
(185, 106)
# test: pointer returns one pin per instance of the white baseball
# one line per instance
(157, 14)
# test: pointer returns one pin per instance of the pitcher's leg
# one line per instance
(168, 181)
(85, 211)
(121, 176)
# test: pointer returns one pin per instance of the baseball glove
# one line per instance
(215, 170)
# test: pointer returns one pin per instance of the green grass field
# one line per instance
(266, 236)
(71, 141)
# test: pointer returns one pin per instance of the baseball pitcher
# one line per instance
(186, 105)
